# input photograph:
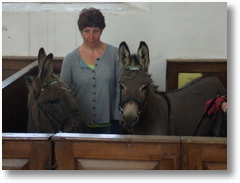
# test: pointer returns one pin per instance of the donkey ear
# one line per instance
(41, 57)
(47, 68)
(143, 56)
(28, 80)
(124, 55)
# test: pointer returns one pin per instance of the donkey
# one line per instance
(147, 111)
(51, 106)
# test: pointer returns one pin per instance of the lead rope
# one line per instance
(205, 114)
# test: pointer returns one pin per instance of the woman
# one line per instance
(93, 71)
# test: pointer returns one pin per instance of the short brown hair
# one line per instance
(91, 18)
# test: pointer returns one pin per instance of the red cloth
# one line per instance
(215, 105)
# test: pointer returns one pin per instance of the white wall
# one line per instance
(171, 30)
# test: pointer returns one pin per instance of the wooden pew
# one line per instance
(71, 151)
(203, 153)
(116, 152)
(26, 151)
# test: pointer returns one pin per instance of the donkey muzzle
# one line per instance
(130, 114)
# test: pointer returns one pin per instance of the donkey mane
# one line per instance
(161, 93)
(155, 87)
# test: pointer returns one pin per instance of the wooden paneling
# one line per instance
(91, 164)
(15, 164)
(206, 67)
(215, 166)
(200, 153)
(88, 151)
(69, 151)
(11, 65)
(22, 151)
(57, 65)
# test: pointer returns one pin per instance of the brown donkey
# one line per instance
(148, 111)
(51, 105)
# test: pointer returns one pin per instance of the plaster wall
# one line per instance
(171, 30)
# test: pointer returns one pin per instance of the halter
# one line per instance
(133, 67)
(47, 114)
(141, 106)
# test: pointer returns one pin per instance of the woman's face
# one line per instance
(91, 36)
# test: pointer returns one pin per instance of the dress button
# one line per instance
(93, 77)
(93, 85)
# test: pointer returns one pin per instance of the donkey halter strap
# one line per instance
(50, 82)
(133, 66)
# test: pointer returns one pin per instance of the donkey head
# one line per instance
(51, 105)
(134, 83)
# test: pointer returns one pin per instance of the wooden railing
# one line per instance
(14, 101)
(11, 65)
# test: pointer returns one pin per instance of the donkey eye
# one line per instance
(122, 87)
(144, 88)
(53, 102)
